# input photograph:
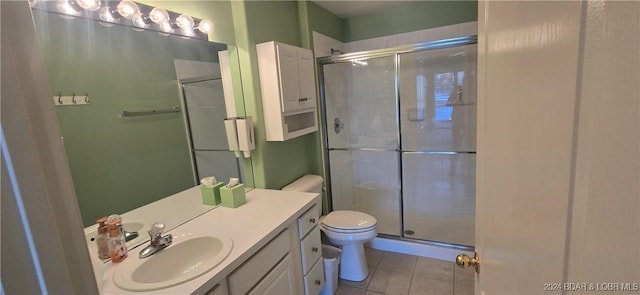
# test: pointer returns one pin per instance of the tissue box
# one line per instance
(233, 197)
(211, 194)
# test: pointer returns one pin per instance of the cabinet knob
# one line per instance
(314, 249)
(312, 220)
(318, 282)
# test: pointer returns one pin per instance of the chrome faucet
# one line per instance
(128, 236)
(157, 240)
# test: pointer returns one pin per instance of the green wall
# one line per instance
(275, 164)
(243, 23)
(218, 11)
(325, 22)
(119, 163)
(418, 15)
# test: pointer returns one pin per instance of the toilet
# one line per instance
(347, 229)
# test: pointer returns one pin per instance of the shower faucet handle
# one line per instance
(337, 125)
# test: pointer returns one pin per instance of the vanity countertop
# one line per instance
(265, 214)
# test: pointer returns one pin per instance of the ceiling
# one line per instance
(346, 9)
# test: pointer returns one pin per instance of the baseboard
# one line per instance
(418, 249)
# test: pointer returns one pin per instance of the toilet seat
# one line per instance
(345, 221)
(347, 231)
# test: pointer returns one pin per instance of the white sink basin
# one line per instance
(187, 258)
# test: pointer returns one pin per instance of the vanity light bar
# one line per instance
(130, 13)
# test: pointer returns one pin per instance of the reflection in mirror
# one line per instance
(118, 162)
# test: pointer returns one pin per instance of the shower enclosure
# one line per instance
(400, 138)
(204, 117)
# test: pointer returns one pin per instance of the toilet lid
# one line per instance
(349, 220)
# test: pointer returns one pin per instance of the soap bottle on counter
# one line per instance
(117, 244)
(102, 239)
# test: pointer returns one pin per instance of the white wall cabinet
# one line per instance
(287, 84)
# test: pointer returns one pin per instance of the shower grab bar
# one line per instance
(151, 112)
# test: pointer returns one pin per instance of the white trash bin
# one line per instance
(331, 258)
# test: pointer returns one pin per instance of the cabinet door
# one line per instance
(278, 281)
(307, 79)
(289, 77)
(219, 289)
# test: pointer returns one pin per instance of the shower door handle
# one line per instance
(337, 125)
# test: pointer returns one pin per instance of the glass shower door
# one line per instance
(362, 135)
(438, 126)
(205, 114)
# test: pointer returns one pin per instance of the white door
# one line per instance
(558, 147)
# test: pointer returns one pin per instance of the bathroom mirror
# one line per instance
(121, 162)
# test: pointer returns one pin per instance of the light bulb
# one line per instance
(139, 21)
(158, 15)
(107, 14)
(90, 5)
(184, 21)
(68, 7)
(128, 9)
(205, 26)
(166, 27)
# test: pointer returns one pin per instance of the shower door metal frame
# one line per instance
(371, 54)
(187, 125)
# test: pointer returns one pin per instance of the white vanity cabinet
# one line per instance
(311, 251)
(276, 247)
(273, 269)
(270, 271)
(287, 83)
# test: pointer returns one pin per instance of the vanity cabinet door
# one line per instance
(219, 289)
(246, 276)
(279, 281)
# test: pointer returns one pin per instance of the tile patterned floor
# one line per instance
(394, 273)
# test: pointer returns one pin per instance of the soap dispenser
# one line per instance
(117, 244)
(102, 239)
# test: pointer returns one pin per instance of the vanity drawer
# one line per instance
(308, 220)
(314, 281)
(311, 250)
(247, 275)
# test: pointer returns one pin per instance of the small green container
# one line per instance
(233, 197)
(211, 194)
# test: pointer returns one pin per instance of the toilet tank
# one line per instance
(308, 183)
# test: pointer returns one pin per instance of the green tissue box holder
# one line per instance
(211, 194)
(233, 197)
